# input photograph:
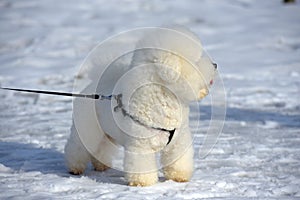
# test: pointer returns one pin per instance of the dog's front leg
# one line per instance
(140, 166)
(177, 158)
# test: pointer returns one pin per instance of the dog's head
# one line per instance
(179, 61)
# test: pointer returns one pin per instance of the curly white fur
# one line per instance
(156, 92)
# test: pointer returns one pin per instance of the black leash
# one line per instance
(118, 98)
(90, 96)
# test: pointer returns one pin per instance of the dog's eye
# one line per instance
(215, 65)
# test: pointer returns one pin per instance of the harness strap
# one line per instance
(120, 106)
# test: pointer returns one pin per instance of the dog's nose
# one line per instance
(215, 65)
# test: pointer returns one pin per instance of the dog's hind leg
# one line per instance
(103, 157)
(76, 155)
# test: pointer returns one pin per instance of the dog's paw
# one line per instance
(142, 179)
(75, 171)
(98, 166)
(178, 175)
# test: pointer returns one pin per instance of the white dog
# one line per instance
(153, 112)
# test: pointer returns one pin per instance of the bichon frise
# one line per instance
(153, 110)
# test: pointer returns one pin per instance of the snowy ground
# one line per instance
(256, 45)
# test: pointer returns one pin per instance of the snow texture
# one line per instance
(256, 45)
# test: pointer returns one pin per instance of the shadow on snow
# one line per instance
(28, 158)
(255, 116)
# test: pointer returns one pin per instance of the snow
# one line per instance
(256, 45)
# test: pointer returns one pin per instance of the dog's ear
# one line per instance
(169, 67)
